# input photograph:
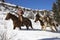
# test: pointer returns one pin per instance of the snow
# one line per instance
(8, 3)
(35, 34)
(31, 35)
(7, 32)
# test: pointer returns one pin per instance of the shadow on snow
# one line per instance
(50, 39)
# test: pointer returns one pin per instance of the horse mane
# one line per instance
(13, 16)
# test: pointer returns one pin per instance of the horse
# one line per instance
(16, 22)
(38, 19)
(46, 20)
(52, 23)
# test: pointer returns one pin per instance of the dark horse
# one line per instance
(47, 20)
(17, 23)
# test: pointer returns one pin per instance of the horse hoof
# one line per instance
(32, 28)
(20, 28)
(27, 29)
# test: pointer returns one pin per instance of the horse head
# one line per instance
(8, 16)
(37, 17)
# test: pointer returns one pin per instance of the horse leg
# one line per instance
(44, 28)
(27, 27)
(14, 27)
(31, 27)
(55, 28)
(52, 28)
(20, 27)
(45, 25)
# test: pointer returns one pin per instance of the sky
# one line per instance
(33, 4)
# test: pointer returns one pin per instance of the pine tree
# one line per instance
(58, 5)
(56, 10)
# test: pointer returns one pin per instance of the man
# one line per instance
(20, 14)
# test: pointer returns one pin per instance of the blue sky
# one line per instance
(34, 4)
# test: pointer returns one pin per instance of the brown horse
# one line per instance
(17, 22)
(47, 20)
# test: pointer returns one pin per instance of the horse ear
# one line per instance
(9, 13)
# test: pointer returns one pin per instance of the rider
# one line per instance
(20, 14)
